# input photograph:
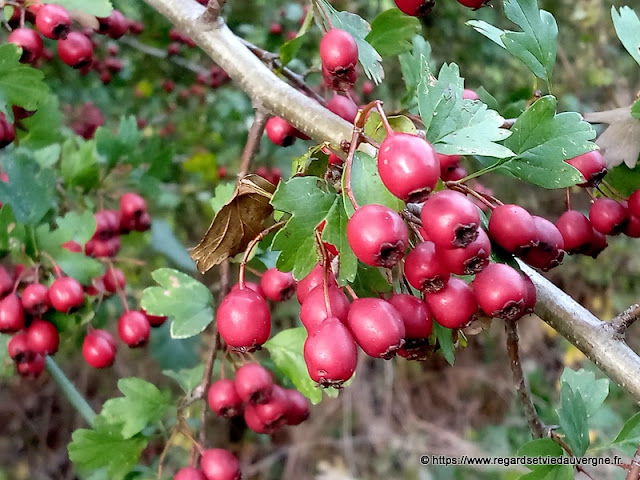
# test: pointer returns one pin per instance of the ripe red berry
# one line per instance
(338, 51)
(42, 337)
(513, 228)
(11, 314)
(454, 306)
(598, 244)
(415, 8)
(134, 328)
(99, 349)
(313, 310)
(275, 29)
(531, 297)
(376, 326)
(219, 464)
(377, 235)
(448, 163)
(132, 206)
(634, 203)
(591, 165)
(35, 299)
(550, 249)
(75, 50)
(469, 260)
(30, 42)
(66, 294)
(280, 132)
(253, 421)
(53, 21)
(331, 354)
(251, 286)
(223, 399)
(274, 412)
(17, 347)
(6, 281)
(189, 473)
(115, 25)
(501, 291)
(608, 216)
(298, 410)
(343, 107)
(31, 367)
(423, 268)
(114, 280)
(311, 281)
(277, 286)
(254, 383)
(154, 320)
(244, 320)
(415, 315)
(632, 229)
(450, 219)
(475, 4)
(576, 230)
(408, 166)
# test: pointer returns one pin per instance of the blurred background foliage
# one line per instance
(395, 411)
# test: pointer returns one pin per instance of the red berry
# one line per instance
(467, 93)
(591, 165)
(115, 25)
(11, 314)
(277, 286)
(408, 166)
(377, 235)
(244, 320)
(423, 268)
(343, 107)
(501, 291)
(513, 228)
(132, 206)
(275, 29)
(154, 320)
(338, 51)
(254, 383)
(414, 314)
(475, 4)
(6, 281)
(143, 223)
(114, 280)
(53, 21)
(273, 413)
(632, 229)
(31, 367)
(634, 204)
(30, 42)
(376, 326)
(608, 216)
(219, 464)
(454, 306)
(331, 354)
(531, 297)
(415, 8)
(576, 231)
(35, 299)
(598, 244)
(251, 286)
(253, 421)
(223, 399)
(550, 249)
(450, 219)
(76, 50)
(448, 163)
(72, 246)
(313, 310)
(311, 281)
(189, 473)
(43, 337)
(469, 260)
(17, 347)
(99, 349)
(280, 132)
(298, 410)
(66, 294)
(134, 329)
(335, 159)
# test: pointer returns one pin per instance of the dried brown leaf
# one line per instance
(238, 222)
(620, 142)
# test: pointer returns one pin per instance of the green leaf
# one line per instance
(444, 336)
(188, 378)
(627, 27)
(458, 126)
(550, 472)
(10, 238)
(413, 65)
(635, 110)
(305, 164)
(79, 163)
(399, 123)
(104, 446)
(290, 49)
(335, 233)
(119, 147)
(173, 353)
(367, 186)
(370, 282)
(573, 419)
(221, 195)
(593, 392)
(624, 179)
(188, 301)
(492, 33)
(20, 84)
(163, 240)
(543, 140)
(143, 404)
(541, 447)
(98, 8)
(43, 128)
(392, 32)
(629, 436)
(359, 28)
(30, 191)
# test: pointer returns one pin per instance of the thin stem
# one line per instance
(165, 450)
(634, 470)
(251, 246)
(383, 117)
(456, 185)
(326, 14)
(355, 139)
(69, 390)
(351, 291)
(621, 322)
(4, 20)
(613, 190)
(253, 140)
(567, 199)
(326, 264)
(536, 426)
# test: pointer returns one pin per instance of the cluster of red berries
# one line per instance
(420, 8)
(215, 464)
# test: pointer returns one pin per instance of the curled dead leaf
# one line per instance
(620, 142)
(238, 222)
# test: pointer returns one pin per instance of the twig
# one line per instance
(634, 471)
(536, 426)
(621, 322)
(159, 53)
(214, 9)
(253, 141)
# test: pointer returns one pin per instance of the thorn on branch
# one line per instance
(214, 11)
(620, 323)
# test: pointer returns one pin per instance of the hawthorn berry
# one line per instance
(377, 235)
(454, 306)
(423, 268)
(408, 166)
(608, 216)
(331, 354)
(467, 93)
(220, 464)
(598, 244)
(591, 165)
(35, 299)
(244, 320)
(134, 328)
(254, 383)
(189, 473)
(273, 413)
(576, 230)
(513, 228)
(313, 310)
(154, 320)
(223, 399)
(132, 206)
(376, 326)
(415, 8)
(18, 347)
(339, 81)
(11, 314)
(32, 366)
(280, 132)
(531, 297)
(343, 107)
(415, 315)
(277, 286)
(7, 132)
(501, 291)
(251, 286)
(632, 229)
(43, 337)
(549, 252)
(633, 204)
(450, 219)
(338, 51)
(6, 281)
(253, 421)
(115, 25)
(114, 280)
(475, 4)
(469, 260)
(53, 21)
(99, 349)
(311, 281)
(75, 50)
(298, 410)
(66, 294)
(30, 42)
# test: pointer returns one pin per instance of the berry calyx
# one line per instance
(331, 354)
(244, 320)
(454, 306)
(30, 42)
(376, 326)
(220, 464)
(132, 207)
(254, 384)
(450, 219)
(253, 421)
(223, 399)
(608, 216)
(591, 165)
(66, 294)
(277, 286)
(35, 299)
(17, 347)
(423, 268)
(11, 314)
(501, 291)
(99, 349)
(469, 260)
(280, 132)
(75, 50)
(338, 51)
(32, 366)
(134, 329)
(408, 166)
(513, 228)
(53, 21)
(377, 235)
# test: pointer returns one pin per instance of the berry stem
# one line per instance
(3, 18)
(612, 190)
(251, 246)
(326, 263)
(567, 199)
(352, 293)
(462, 188)
(165, 450)
(69, 390)
(348, 164)
(56, 269)
(383, 117)
(321, 8)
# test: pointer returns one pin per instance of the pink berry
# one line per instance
(331, 354)
(219, 464)
(376, 326)
(313, 310)
(99, 349)
(66, 294)
(415, 315)
(450, 219)
(254, 383)
(53, 21)
(591, 165)
(454, 306)
(134, 329)
(277, 286)
(469, 260)
(513, 228)
(501, 292)
(338, 51)
(244, 320)
(223, 399)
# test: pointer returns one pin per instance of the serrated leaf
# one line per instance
(629, 436)
(79, 164)
(413, 64)
(31, 189)
(290, 49)
(20, 84)
(458, 126)
(572, 416)
(301, 165)
(543, 140)
(43, 128)
(392, 31)
(98, 8)
(593, 392)
(187, 378)
(143, 404)
(335, 233)
(104, 446)
(627, 27)
(187, 301)
(492, 33)
(116, 148)
(444, 336)
(374, 127)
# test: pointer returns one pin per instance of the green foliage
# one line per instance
(78, 166)
(392, 31)
(545, 447)
(290, 49)
(627, 27)
(413, 64)
(573, 419)
(99, 8)
(624, 179)
(187, 378)
(117, 148)
(629, 437)
(188, 318)
(399, 123)
(593, 392)
(444, 336)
